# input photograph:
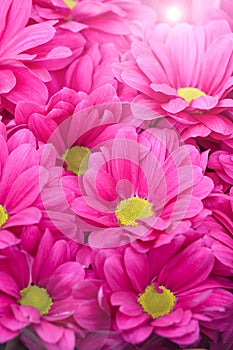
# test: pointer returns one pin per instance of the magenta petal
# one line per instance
(28, 216)
(205, 102)
(6, 334)
(28, 87)
(137, 269)
(8, 285)
(10, 10)
(19, 138)
(24, 110)
(126, 322)
(115, 274)
(21, 159)
(175, 105)
(56, 257)
(7, 81)
(63, 280)
(138, 335)
(29, 37)
(194, 264)
(49, 332)
(26, 189)
(7, 239)
(89, 316)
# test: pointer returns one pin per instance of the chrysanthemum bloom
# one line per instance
(101, 21)
(220, 240)
(222, 163)
(29, 183)
(21, 181)
(138, 183)
(22, 72)
(93, 69)
(185, 72)
(65, 106)
(40, 293)
(168, 291)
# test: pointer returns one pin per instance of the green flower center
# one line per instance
(36, 297)
(189, 93)
(77, 158)
(70, 3)
(129, 210)
(157, 304)
(3, 216)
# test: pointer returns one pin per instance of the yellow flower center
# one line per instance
(157, 304)
(77, 158)
(129, 210)
(70, 3)
(189, 93)
(36, 297)
(3, 216)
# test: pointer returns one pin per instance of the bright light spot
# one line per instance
(173, 14)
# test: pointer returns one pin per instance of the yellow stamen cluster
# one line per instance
(157, 304)
(3, 216)
(76, 159)
(131, 209)
(36, 297)
(189, 94)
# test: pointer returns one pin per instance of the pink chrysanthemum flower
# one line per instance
(135, 186)
(168, 292)
(22, 179)
(100, 21)
(39, 293)
(44, 120)
(220, 240)
(184, 72)
(222, 163)
(30, 183)
(21, 70)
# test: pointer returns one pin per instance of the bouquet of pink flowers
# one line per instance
(116, 174)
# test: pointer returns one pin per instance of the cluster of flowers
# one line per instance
(116, 176)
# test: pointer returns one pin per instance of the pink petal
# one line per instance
(63, 280)
(25, 189)
(28, 38)
(7, 80)
(137, 269)
(175, 105)
(12, 22)
(115, 274)
(125, 322)
(6, 335)
(7, 239)
(49, 332)
(89, 316)
(138, 334)
(28, 216)
(27, 88)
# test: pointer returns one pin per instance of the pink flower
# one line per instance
(171, 72)
(133, 188)
(39, 293)
(65, 106)
(222, 163)
(112, 20)
(21, 181)
(21, 71)
(220, 241)
(101, 21)
(168, 291)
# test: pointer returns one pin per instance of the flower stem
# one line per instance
(12, 344)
